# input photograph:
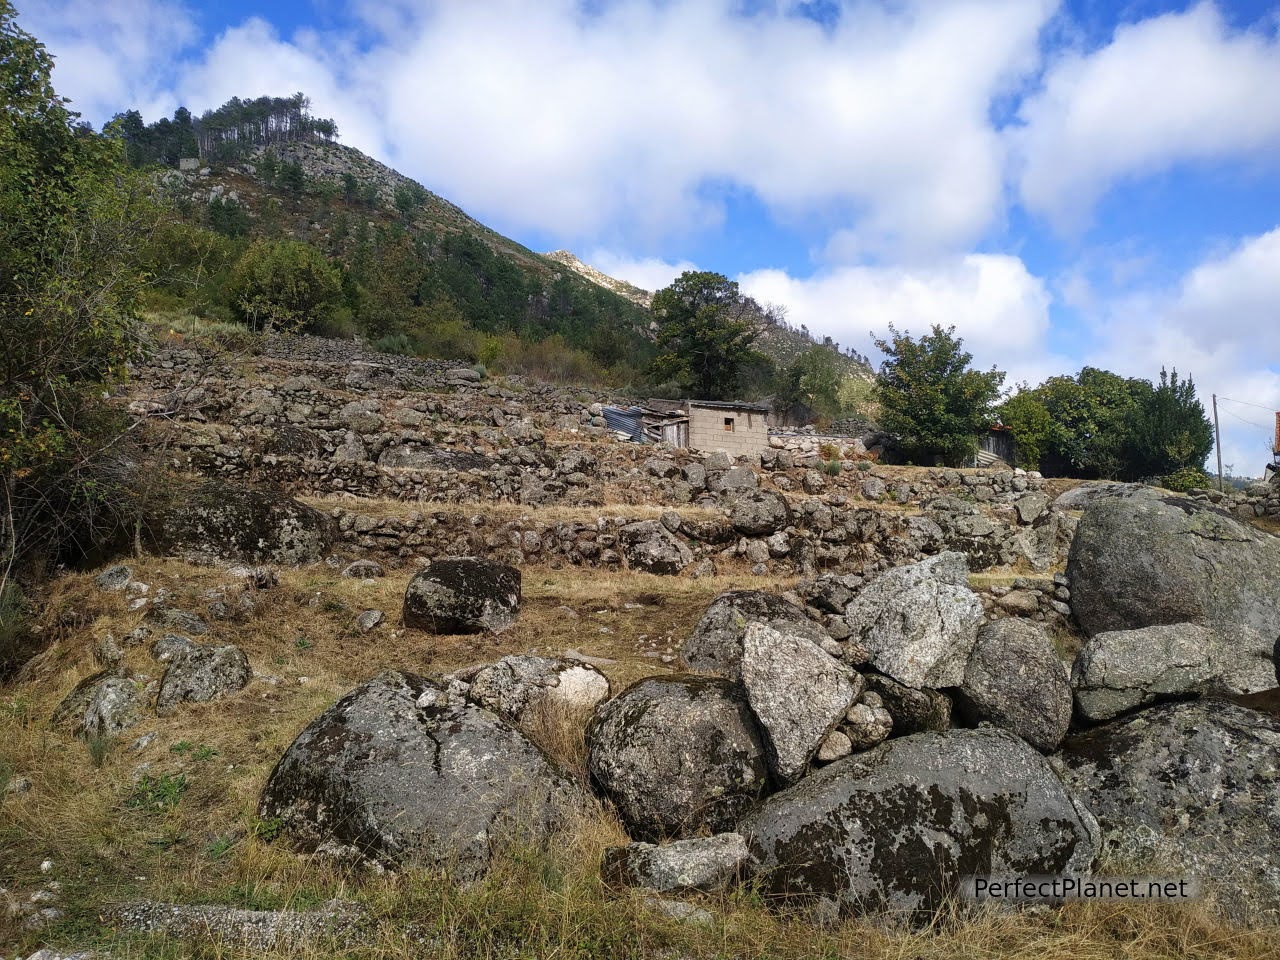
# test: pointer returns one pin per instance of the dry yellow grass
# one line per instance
(206, 846)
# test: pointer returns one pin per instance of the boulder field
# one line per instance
(870, 769)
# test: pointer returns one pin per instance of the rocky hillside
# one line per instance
(398, 657)
(633, 293)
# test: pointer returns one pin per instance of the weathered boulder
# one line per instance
(797, 691)
(404, 774)
(1015, 680)
(102, 705)
(867, 723)
(1143, 559)
(363, 570)
(716, 642)
(198, 672)
(701, 864)
(758, 513)
(223, 521)
(1122, 669)
(895, 830)
(462, 595)
(676, 754)
(115, 578)
(918, 623)
(1194, 789)
(515, 684)
(650, 546)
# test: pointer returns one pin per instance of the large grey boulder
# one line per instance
(918, 623)
(758, 513)
(1122, 669)
(103, 705)
(895, 830)
(700, 864)
(1015, 680)
(462, 595)
(651, 548)
(1190, 788)
(223, 521)
(514, 685)
(198, 672)
(1143, 559)
(405, 774)
(715, 645)
(797, 691)
(676, 754)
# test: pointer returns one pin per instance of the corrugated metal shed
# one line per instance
(628, 421)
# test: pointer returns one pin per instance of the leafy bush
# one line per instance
(284, 284)
(1187, 479)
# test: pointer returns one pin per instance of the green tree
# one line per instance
(1091, 413)
(706, 334)
(284, 284)
(931, 399)
(1168, 430)
(1027, 417)
(71, 215)
(813, 379)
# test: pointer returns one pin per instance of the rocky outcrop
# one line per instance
(798, 693)
(896, 829)
(222, 521)
(701, 864)
(1189, 789)
(463, 595)
(400, 772)
(1123, 669)
(918, 623)
(1142, 558)
(1014, 679)
(677, 754)
(715, 645)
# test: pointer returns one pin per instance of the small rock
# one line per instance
(369, 619)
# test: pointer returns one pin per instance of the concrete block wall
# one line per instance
(750, 433)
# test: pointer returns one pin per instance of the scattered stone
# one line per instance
(911, 710)
(715, 645)
(701, 864)
(677, 754)
(836, 746)
(798, 693)
(363, 570)
(895, 830)
(337, 922)
(1192, 788)
(1015, 680)
(409, 775)
(866, 724)
(516, 684)
(198, 673)
(102, 705)
(463, 595)
(114, 579)
(918, 623)
(369, 620)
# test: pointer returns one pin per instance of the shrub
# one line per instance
(285, 284)
(1187, 479)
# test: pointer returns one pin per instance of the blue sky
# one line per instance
(1067, 183)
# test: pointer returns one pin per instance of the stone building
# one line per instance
(740, 429)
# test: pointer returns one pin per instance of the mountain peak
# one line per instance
(621, 287)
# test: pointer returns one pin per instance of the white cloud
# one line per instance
(1217, 324)
(1182, 87)
(112, 56)
(641, 116)
(998, 307)
(647, 273)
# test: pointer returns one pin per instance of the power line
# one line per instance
(1243, 420)
(1260, 406)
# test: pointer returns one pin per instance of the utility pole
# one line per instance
(1217, 440)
